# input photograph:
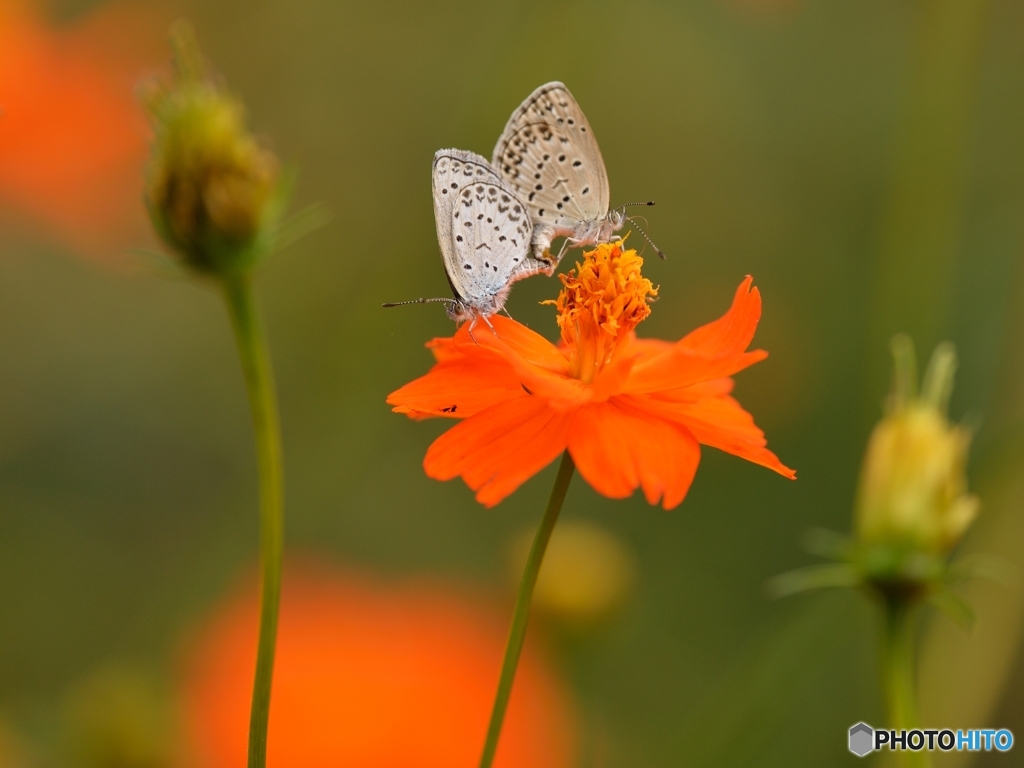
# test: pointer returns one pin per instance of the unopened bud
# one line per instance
(587, 573)
(117, 717)
(913, 485)
(212, 191)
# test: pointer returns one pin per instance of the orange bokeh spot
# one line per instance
(72, 136)
(374, 676)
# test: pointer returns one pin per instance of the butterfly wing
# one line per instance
(550, 157)
(483, 230)
(452, 170)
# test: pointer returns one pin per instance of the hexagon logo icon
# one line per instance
(862, 739)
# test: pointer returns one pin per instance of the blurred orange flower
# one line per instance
(373, 676)
(72, 137)
(632, 412)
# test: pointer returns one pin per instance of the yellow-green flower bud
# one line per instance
(213, 193)
(913, 484)
(116, 717)
(587, 572)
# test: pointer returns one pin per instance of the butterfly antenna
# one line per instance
(624, 206)
(639, 229)
(417, 301)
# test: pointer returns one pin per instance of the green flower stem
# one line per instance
(259, 380)
(898, 672)
(522, 612)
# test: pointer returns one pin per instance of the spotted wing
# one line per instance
(453, 169)
(483, 230)
(549, 155)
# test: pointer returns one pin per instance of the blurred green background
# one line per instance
(863, 159)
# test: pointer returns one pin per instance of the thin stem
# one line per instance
(517, 633)
(259, 380)
(898, 668)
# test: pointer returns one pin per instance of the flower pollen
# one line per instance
(600, 304)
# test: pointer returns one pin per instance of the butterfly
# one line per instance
(484, 232)
(549, 156)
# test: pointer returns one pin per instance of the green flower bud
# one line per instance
(587, 573)
(116, 717)
(213, 193)
(913, 486)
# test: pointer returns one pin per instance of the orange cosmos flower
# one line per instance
(72, 137)
(372, 675)
(632, 412)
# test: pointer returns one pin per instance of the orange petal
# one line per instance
(678, 368)
(444, 349)
(612, 378)
(499, 449)
(556, 386)
(716, 420)
(458, 388)
(525, 344)
(710, 388)
(733, 331)
(488, 362)
(715, 350)
(645, 348)
(618, 448)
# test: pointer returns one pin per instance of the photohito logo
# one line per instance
(863, 740)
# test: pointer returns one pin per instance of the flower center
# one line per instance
(600, 303)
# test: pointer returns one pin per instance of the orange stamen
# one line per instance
(601, 302)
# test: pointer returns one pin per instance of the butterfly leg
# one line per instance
(563, 249)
